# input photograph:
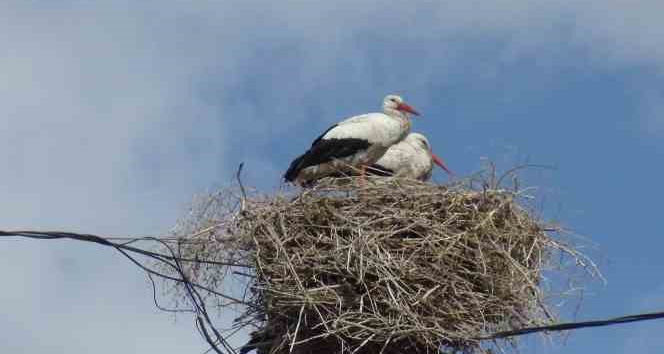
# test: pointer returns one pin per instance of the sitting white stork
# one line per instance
(411, 158)
(356, 142)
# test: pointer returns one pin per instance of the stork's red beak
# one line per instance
(406, 108)
(440, 163)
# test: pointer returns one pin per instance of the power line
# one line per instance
(203, 320)
(106, 241)
(575, 325)
(172, 260)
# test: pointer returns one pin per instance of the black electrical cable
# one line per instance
(575, 325)
(173, 260)
(169, 258)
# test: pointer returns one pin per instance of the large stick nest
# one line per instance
(392, 266)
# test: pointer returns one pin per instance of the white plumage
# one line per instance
(356, 142)
(412, 157)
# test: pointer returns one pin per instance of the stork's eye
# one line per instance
(393, 99)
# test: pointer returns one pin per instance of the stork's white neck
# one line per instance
(403, 120)
(395, 113)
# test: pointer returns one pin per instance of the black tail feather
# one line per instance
(294, 169)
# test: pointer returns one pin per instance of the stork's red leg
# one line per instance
(363, 175)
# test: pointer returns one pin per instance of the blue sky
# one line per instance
(115, 113)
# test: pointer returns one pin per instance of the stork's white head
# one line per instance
(395, 106)
(420, 141)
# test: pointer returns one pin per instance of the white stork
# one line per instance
(411, 158)
(356, 142)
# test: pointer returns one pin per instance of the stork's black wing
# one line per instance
(322, 135)
(325, 150)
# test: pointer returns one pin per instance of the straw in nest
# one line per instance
(394, 266)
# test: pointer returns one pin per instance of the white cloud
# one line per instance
(102, 131)
(115, 112)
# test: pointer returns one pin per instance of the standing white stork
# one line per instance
(411, 158)
(356, 142)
